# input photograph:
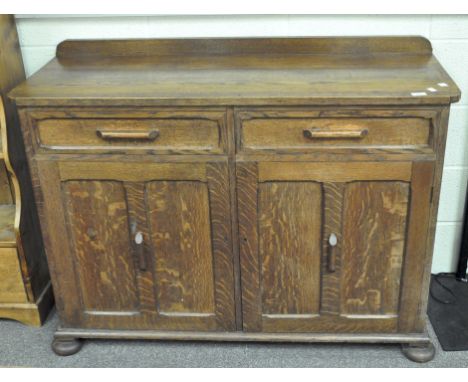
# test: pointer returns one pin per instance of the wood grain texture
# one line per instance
(360, 293)
(247, 209)
(289, 230)
(333, 171)
(137, 215)
(11, 281)
(411, 316)
(98, 223)
(326, 323)
(440, 140)
(374, 230)
(131, 172)
(413, 338)
(231, 159)
(287, 134)
(222, 246)
(196, 135)
(226, 46)
(54, 226)
(332, 224)
(178, 214)
(240, 72)
(258, 204)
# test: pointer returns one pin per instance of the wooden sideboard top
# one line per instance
(241, 71)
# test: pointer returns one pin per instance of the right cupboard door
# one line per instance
(333, 246)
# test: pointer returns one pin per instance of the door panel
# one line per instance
(96, 213)
(179, 278)
(178, 213)
(374, 229)
(293, 280)
(289, 246)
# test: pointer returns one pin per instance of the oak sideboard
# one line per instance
(254, 189)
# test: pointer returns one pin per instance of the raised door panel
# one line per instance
(374, 232)
(280, 224)
(180, 234)
(289, 224)
(97, 218)
(294, 280)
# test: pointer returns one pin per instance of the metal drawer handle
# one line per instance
(332, 243)
(144, 135)
(335, 134)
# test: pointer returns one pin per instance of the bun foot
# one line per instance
(419, 353)
(66, 346)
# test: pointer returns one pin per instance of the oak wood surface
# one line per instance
(384, 70)
(289, 246)
(334, 171)
(226, 46)
(412, 338)
(174, 131)
(180, 230)
(411, 298)
(238, 207)
(301, 134)
(330, 299)
(185, 279)
(367, 213)
(374, 230)
(96, 216)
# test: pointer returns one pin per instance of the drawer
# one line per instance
(302, 132)
(108, 131)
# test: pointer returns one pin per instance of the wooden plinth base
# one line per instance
(33, 314)
(413, 348)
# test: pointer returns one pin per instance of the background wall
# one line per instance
(39, 36)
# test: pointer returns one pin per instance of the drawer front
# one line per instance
(302, 132)
(160, 133)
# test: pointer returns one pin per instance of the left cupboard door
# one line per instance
(139, 245)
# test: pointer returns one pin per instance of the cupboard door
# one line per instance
(280, 224)
(142, 245)
(324, 245)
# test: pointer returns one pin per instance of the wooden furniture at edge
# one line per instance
(239, 189)
(25, 288)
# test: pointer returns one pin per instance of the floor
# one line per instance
(23, 346)
(448, 311)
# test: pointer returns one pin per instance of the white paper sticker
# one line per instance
(418, 94)
(442, 84)
(432, 90)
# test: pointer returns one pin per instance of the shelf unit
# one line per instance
(25, 289)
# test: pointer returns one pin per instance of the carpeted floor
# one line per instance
(22, 346)
(448, 311)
